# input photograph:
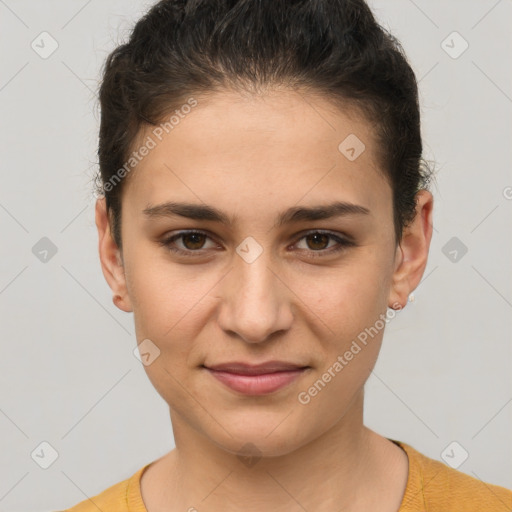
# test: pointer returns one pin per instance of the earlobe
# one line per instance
(414, 248)
(111, 258)
(395, 299)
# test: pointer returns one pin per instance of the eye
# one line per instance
(317, 243)
(193, 243)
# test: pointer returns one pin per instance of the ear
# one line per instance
(412, 252)
(111, 258)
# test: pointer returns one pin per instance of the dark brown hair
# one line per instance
(334, 48)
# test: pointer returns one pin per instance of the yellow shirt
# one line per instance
(431, 487)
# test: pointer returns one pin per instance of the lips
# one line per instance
(256, 369)
(260, 379)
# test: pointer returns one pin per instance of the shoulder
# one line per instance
(123, 496)
(433, 486)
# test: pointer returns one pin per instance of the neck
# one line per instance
(331, 472)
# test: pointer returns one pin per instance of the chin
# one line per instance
(257, 434)
(255, 446)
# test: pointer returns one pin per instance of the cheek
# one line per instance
(355, 311)
(356, 316)
(353, 304)
(168, 307)
(166, 297)
(347, 298)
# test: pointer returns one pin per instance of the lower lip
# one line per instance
(257, 384)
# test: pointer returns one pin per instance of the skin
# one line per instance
(253, 157)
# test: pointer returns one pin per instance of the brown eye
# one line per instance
(193, 241)
(319, 241)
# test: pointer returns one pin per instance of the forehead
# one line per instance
(259, 152)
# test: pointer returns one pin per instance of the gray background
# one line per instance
(68, 375)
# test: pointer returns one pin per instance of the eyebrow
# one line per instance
(291, 215)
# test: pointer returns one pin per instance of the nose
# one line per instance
(255, 301)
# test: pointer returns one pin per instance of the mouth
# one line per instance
(258, 379)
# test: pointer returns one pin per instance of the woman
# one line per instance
(265, 215)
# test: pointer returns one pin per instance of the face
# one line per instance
(272, 279)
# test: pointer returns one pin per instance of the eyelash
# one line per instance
(343, 243)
